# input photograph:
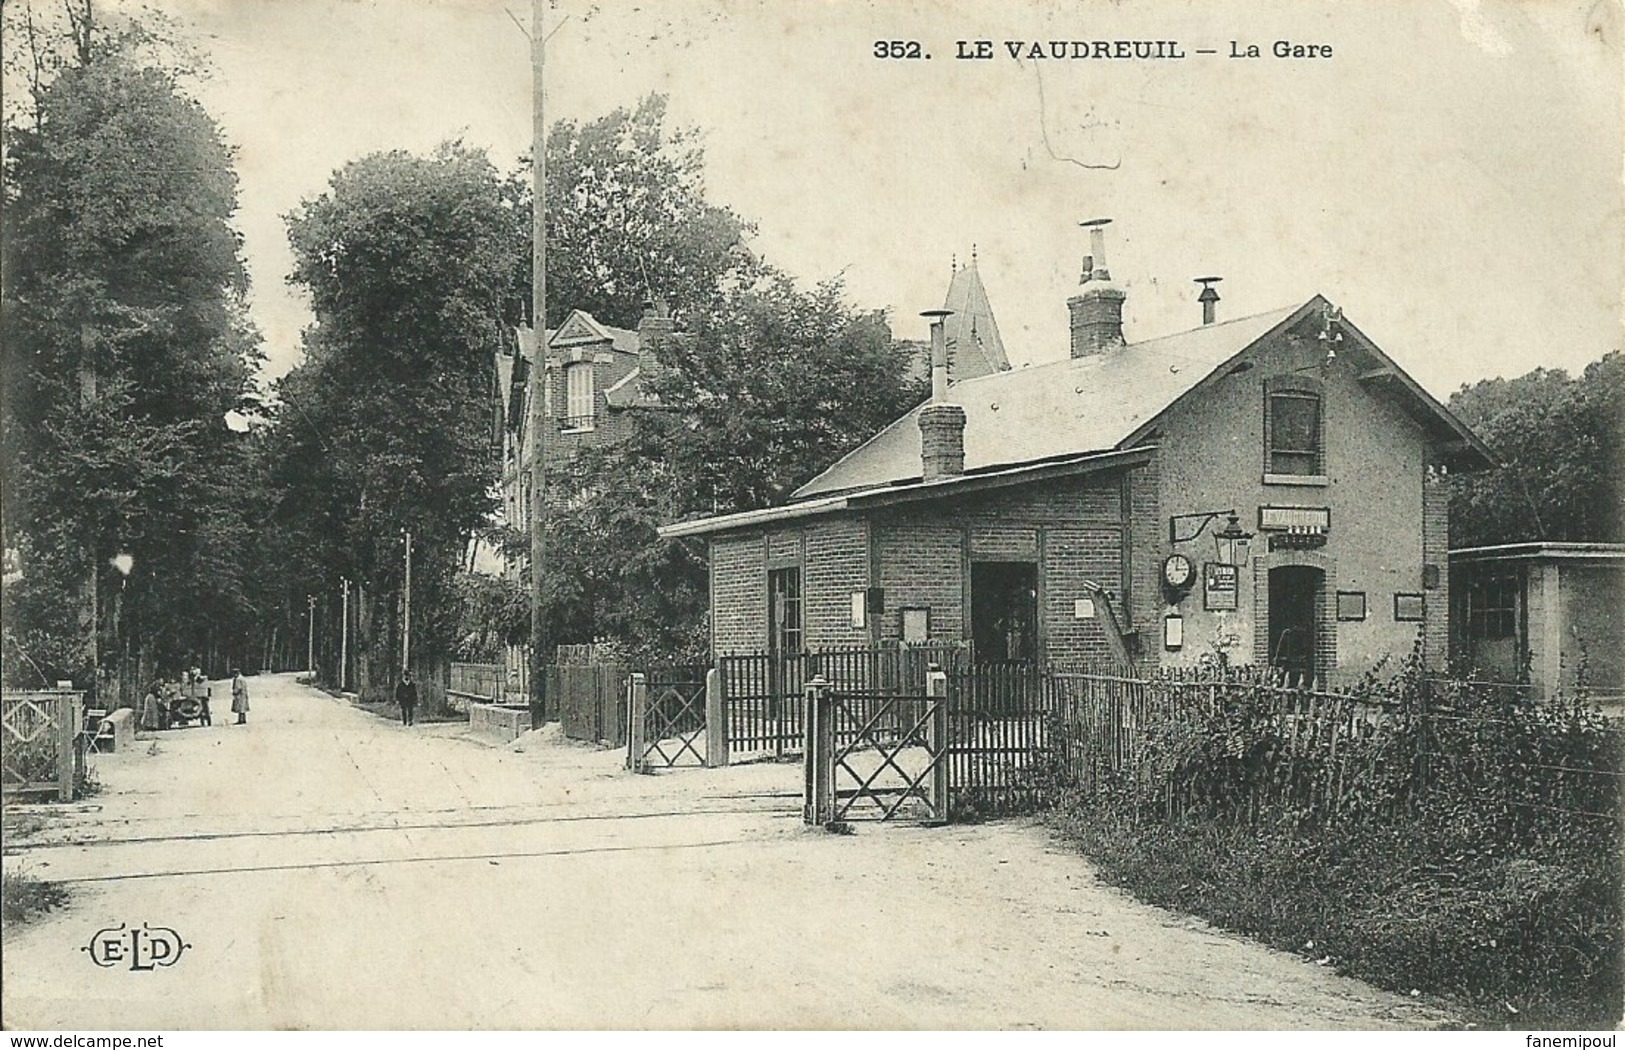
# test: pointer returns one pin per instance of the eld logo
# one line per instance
(144, 949)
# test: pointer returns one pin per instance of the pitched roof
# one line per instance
(1040, 412)
(974, 346)
(625, 392)
(582, 328)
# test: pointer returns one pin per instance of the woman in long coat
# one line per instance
(239, 696)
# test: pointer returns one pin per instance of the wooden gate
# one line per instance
(875, 756)
(666, 724)
(39, 742)
(982, 742)
(589, 700)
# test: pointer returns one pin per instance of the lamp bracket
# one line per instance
(1179, 522)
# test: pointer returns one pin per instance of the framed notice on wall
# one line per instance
(1219, 587)
(916, 625)
(1409, 607)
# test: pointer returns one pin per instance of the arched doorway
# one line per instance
(1295, 602)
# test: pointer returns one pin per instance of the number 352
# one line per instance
(898, 49)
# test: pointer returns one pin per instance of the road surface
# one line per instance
(330, 869)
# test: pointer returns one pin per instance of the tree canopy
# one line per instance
(627, 213)
(127, 343)
(412, 264)
(1560, 444)
(775, 386)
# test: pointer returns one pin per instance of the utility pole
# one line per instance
(406, 610)
(344, 635)
(538, 373)
(310, 641)
(89, 598)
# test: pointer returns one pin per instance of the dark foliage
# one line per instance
(775, 387)
(126, 346)
(1560, 442)
(385, 428)
(1469, 848)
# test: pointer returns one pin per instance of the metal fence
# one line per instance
(763, 699)
(667, 718)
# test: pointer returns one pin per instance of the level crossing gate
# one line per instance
(666, 719)
(876, 756)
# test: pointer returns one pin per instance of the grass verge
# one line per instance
(24, 898)
(1421, 904)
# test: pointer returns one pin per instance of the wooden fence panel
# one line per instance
(40, 745)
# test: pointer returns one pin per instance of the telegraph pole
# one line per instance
(344, 635)
(406, 609)
(90, 600)
(310, 638)
(538, 373)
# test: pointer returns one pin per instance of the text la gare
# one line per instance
(1281, 49)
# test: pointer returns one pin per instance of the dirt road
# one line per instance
(329, 869)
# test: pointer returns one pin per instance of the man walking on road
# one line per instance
(406, 694)
(239, 696)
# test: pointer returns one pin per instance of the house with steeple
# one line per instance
(974, 347)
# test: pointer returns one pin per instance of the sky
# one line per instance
(1450, 176)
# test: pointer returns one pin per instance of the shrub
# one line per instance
(1464, 841)
(23, 897)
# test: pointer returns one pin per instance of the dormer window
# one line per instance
(1294, 431)
(578, 399)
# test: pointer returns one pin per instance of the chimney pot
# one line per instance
(939, 353)
(1097, 310)
(1209, 298)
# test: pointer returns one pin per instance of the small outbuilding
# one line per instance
(1553, 611)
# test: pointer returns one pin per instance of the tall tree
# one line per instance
(775, 386)
(627, 214)
(411, 265)
(1560, 446)
(127, 344)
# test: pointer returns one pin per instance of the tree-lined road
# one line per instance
(330, 869)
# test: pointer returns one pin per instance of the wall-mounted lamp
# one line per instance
(1231, 542)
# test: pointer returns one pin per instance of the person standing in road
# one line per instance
(406, 695)
(239, 696)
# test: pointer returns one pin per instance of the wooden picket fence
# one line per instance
(42, 742)
(590, 701)
(1243, 747)
(1230, 745)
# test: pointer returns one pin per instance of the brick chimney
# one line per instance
(942, 425)
(1097, 309)
(654, 328)
(942, 441)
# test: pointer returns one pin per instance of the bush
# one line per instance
(1387, 905)
(1467, 843)
(23, 897)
